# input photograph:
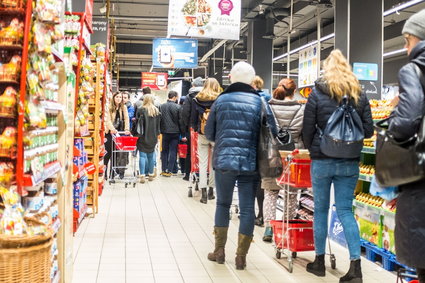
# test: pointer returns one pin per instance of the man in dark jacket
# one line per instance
(404, 123)
(170, 130)
(234, 125)
(185, 119)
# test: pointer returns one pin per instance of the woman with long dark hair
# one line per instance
(116, 121)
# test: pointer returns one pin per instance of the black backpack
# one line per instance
(343, 135)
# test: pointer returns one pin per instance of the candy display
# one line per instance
(10, 71)
(381, 109)
(72, 24)
(368, 218)
(8, 142)
(369, 199)
(10, 3)
(370, 142)
(367, 170)
(7, 173)
(8, 102)
(11, 33)
(12, 221)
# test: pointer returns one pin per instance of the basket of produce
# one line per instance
(23, 242)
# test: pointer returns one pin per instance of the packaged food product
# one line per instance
(8, 102)
(7, 172)
(13, 33)
(12, 221)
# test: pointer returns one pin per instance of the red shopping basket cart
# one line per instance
(299, 235)
(125, 143)
(296, 173)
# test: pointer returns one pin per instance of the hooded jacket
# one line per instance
(201, 102)
(404, 123)
(131, 112)
(234, 125)
(186, 110)
(319, 108)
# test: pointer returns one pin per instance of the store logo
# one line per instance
(226, 6)
(337, 229)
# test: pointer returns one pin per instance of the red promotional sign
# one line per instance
(156, 81)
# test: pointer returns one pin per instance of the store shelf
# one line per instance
(307, 207)
(368, 150)
(58, 56)
(365, 178)
(40, 150)
(9, 82)
(11, 47)
(52, 106)
(12, 11)
(48, 130)
(49, 171)
(56, 226)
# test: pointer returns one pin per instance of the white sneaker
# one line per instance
(142, 179)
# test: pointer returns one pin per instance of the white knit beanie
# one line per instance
(242, 72)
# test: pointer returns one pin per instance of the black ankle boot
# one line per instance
(211, 193)
(204, 195)
(354, 274)
(317, 267)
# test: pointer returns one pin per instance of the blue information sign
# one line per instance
(366, 71)
(175, 53)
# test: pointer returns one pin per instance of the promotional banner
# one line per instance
(307, 68)
(205, 18)
(175, 53)
(156, 81)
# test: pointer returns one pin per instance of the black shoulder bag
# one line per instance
(399, 163)
(268, 156)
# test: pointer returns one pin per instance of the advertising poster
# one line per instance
(175, 53)
(156, 81)
(307, 68)
(366, 71)
(205, 18)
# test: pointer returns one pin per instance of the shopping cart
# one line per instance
(294, 235)
(122, 146)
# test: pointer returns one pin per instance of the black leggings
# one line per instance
(260, 200)
(108, 147)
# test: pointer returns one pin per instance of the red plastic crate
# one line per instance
(126, 143)
(300, 238)
(298, 175)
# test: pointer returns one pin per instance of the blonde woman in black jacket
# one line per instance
(338, 81)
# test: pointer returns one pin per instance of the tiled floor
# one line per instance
(155, 233)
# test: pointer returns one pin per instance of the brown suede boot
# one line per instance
(220, 241)
(244, 242)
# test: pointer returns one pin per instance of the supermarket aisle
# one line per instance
(155, 233)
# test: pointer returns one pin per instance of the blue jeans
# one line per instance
(146, 162)
(169, 152)
(247, 185)
(147, 165)
(344, 175)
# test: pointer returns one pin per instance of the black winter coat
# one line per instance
(187, 109)
(151, 130)
(170, 120)
(319, 109)
(404, 123)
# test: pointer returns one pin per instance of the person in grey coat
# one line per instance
(404, 123)
(289, 114)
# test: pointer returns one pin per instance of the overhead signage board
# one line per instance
(175, 53)
(100, 31)
(307, 68)
(156, 81)
(366, 71)
(205, 18)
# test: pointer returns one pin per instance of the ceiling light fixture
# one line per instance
(402, 6)
(386, 13)
(398, 51)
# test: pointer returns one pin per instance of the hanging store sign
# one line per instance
(156, 81)
(175, 53)
(307, 67)
(100, 31)
(205, 18)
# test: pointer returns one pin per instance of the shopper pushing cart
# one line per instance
(121, 147)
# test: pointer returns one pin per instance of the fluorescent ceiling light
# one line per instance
(401, 7)
(399, 51)
(329, 36)
(386, 13)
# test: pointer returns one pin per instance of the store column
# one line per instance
(260, 52)
(359, 35)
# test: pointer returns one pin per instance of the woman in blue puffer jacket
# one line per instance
(234, 125)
